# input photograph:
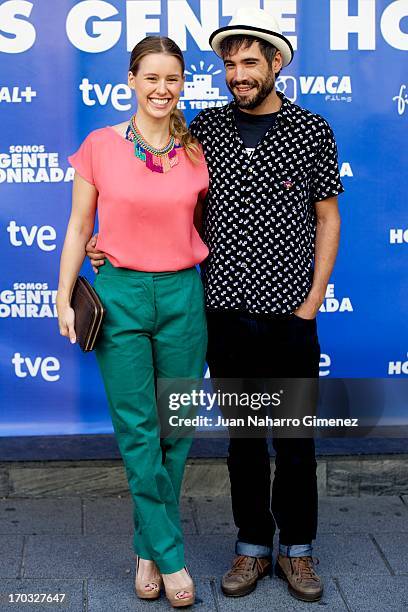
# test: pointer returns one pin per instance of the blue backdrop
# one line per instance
(63, 69)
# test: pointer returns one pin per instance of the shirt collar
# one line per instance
(286, 111)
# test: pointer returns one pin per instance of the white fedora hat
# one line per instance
(258, 23)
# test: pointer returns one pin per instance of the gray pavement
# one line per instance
(83, 548)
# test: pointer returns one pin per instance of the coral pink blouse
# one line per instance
(145, 218)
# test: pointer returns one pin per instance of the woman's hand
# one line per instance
(66, 321)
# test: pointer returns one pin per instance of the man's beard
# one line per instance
(262, 92)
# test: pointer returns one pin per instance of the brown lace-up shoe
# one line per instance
(241, 579)
(303, 582)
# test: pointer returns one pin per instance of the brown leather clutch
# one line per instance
(89, 313)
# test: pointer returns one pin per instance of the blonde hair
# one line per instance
(178, 125)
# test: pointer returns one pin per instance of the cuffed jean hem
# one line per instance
(252, 550)
(295, 550)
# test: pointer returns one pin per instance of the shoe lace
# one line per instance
(304, 567)
(242, 564)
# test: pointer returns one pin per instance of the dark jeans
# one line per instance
(241, 346)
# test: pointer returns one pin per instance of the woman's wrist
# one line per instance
(63, 298)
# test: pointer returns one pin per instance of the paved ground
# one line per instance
(83, 547)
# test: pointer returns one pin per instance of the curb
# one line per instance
(204, 477)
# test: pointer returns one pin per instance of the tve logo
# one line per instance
(324, 365)
(93, 93)
(398, 236)
(25, 366)
(396, 368)
(21, 235)
(332, 304)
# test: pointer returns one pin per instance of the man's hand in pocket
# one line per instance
(97, 257)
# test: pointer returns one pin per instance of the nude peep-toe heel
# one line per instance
(147, 590)
(174, 595)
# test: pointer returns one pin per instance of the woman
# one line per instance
(146, 177)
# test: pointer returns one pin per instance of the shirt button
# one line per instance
(248, 201)
(244, 265)
(250, 169)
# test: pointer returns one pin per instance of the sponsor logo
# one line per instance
(333, 304)
(288, 86)
(28, 300)
(93, 93)
(12, 95)
(25, 366)
(32, 164)
(199, 92)
(397, 368)
(333, 88)
(401, 99)
(324, 365)
(398, 236)
(21, 235)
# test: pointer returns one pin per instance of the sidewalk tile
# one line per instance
(272, 594)
(115, 515)
(11, 561)
(357, 514)
(108, 515)
(35, 516)
(71, 603)
(79, 556)
(345, 555)
(104, 595)
(214, 515)
(395, 548)
(387, 594)
(209, 556)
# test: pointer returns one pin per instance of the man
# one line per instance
(271, 223)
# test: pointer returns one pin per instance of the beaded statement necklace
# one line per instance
(157, 160)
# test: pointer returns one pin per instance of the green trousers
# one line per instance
(154, 328)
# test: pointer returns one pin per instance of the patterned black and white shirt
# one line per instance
(259, 215)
